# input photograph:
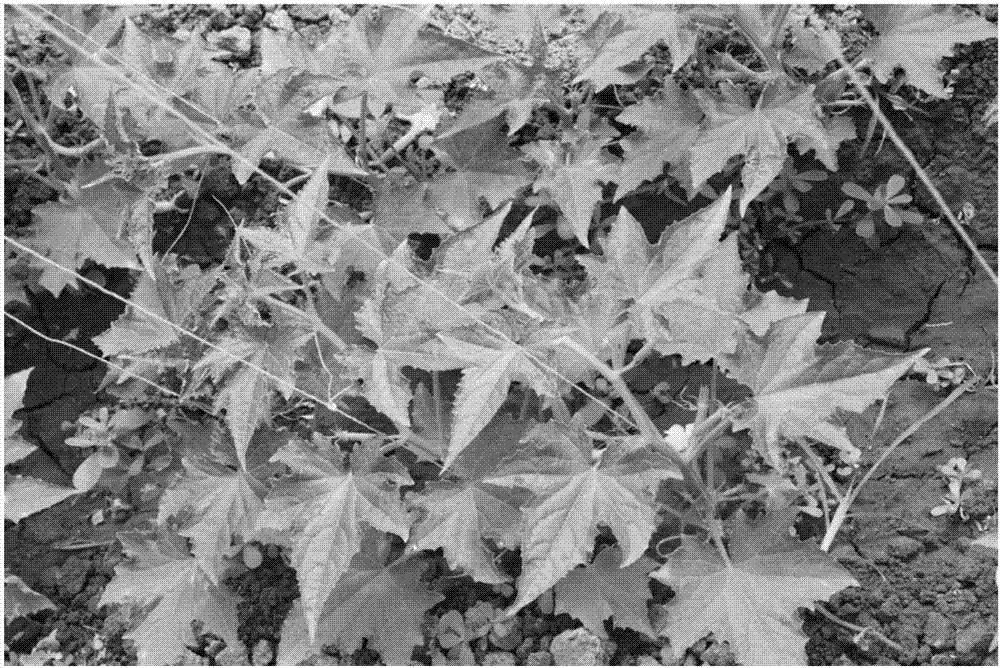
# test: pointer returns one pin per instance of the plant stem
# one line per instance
(646, 426)
(193, 152)
(820, 608)
(841, 513)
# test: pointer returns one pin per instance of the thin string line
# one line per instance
(50, 339)
(328, 403)
(211, 141)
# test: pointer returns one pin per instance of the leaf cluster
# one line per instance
(440, 342)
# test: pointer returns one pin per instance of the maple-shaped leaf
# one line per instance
(702, 317)
(167, 86)
(20, 600)
(518, 89)
(798, 384)
(287, 127)
(759, 132)
(298, 239)
(385, 605)
(668, 127)
(604, 589)
(362, 249)
(457, 517)
(403, 206)
(71, 233)
(165, 578)
(245, 393)
(386, 45)
(323, 505)
(573, 172)
(917, 37)
(217, 503)
(816, 42)
(486, 166)
(519, 21)
(623, 41)
(15, 448)
(486, 380)
(573, 495)
(649, 276)
(752, 601)
(25, 496)
(173, 298)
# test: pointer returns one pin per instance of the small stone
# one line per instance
(646, 660)
(500, 659)
(578, 647)
(845, 552)
(237, 40)
(506, 634)
(222, 19)
(525, 648)
(904, 548)
(719, 654)
(973, 638)
(309, 13)
(943, 659)
(939, 632)
(539, 659)
(263, 653)
(280, 20)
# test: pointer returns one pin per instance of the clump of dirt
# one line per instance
(939, 603)
(268, 592)
(84, 633)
